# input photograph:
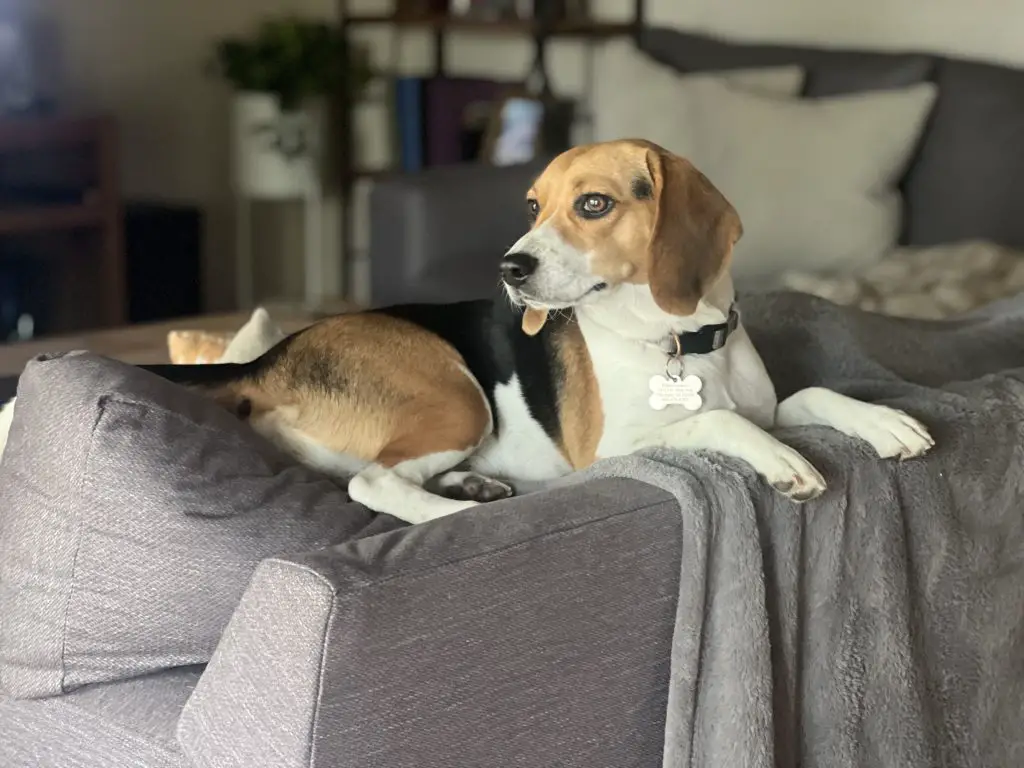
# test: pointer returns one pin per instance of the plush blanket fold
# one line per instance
(882, 624)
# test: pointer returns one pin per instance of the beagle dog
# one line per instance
(619, 332)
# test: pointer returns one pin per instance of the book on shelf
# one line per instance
(442, 120)
(409, 117)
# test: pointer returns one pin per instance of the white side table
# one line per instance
(276, 158)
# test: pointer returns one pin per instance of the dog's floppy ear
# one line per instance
(695, 229)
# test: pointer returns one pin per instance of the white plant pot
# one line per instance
(275, 152)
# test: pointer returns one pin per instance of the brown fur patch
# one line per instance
(580, 411)
(373, 387)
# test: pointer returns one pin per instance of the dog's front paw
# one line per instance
(787, 471)
(892, 433)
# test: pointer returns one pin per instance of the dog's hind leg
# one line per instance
(470, 486)
(398, 490)
(434, 435)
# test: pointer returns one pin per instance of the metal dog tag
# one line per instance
(674, 390)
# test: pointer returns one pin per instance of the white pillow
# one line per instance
(637, 98)
(254, 338)
(814, 181)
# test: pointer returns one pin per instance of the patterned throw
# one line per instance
(929, 283)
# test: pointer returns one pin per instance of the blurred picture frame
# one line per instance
(523, 127)
(19, 87)
(485, 9)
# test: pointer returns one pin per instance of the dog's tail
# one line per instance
(233, 385)
(202, 375)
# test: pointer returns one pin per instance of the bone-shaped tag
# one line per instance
(667, 391)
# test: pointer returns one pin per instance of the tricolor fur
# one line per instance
(435, 408)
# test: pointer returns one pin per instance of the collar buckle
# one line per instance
(707, 338)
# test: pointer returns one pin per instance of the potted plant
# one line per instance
(279, 73)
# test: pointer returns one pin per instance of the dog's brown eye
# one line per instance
(533, 207)
(594, 206)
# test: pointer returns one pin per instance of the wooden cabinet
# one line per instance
(60, 203)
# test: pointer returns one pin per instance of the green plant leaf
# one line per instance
(292, 58)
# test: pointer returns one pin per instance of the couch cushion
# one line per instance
(665, 109)
(128, 723)
(968, 176)
(830, 71)
(968, 180)
(134, 512)
(814, 181)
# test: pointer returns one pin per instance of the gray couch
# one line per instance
(145, 533)
(174, 593)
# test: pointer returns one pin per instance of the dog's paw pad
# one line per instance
(470, 486)
(790, 473)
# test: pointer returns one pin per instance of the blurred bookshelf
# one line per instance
(438, 94)
(584, 28)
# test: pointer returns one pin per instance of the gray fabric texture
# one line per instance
(882, 624)
(532, 632)
(128, 724)
(438, 235)
(135, 512)
(968, 180)
(263, 690)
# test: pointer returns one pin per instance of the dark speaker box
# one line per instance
(163, 246)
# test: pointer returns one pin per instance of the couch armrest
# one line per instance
(531, 632)
(438, 236)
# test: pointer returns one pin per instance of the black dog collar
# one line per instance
(705, 339)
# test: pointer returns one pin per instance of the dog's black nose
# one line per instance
(517, 267)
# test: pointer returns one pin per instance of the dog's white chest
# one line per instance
(520, 450)
(636, 402)
(624, 370)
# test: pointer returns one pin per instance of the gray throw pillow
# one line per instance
(830, 71)
(132, 515)
(968, 181)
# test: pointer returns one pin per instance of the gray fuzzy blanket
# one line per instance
(883, 623)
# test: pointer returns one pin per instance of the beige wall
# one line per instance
(141, 60)
(985, 29)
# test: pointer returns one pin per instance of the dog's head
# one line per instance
(620, 212)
